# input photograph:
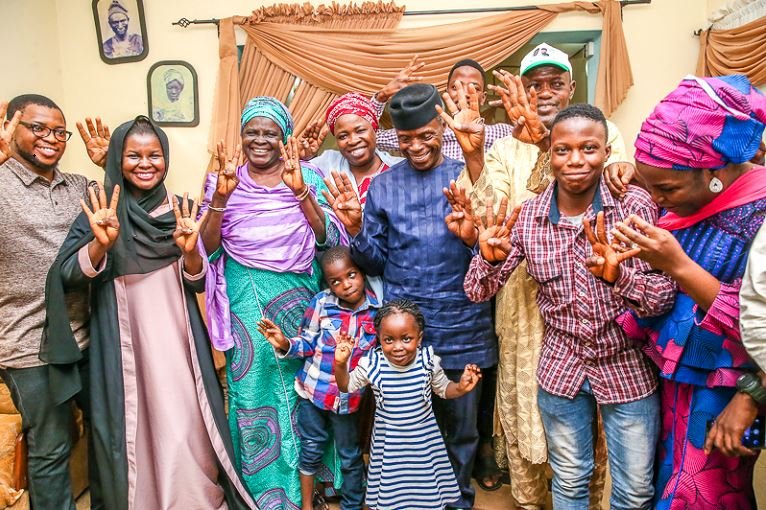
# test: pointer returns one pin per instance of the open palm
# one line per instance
(465, 118)
(344, 201)
(520, 108)
(96, 138)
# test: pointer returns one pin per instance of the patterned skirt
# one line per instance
(686, 477)
(262, 397)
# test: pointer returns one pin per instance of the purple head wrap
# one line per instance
(704, 123)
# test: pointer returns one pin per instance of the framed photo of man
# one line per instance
(173, 95)
(121, 30)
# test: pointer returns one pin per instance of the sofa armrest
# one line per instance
(20, 463)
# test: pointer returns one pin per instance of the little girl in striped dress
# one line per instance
(409, 467)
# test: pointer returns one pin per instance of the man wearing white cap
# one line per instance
(518, 167)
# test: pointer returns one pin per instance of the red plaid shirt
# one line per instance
(582, 339)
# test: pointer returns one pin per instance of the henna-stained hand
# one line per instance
(103, 220)
(187, 228)
(310, 140)
(292, 175)
(605, 263)
(96, 139)
(521, 108)
(495, 231)
(344, 201)
(464, 118)
(460, 221)
(227, 173)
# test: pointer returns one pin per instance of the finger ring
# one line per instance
(634, 245)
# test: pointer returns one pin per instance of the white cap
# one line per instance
(545, 55)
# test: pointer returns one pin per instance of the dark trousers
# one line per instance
(48, 430)
(486, 418)
(457, 421)
(316, 427)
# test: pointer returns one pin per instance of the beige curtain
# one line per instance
(740, 50)
(356, 48)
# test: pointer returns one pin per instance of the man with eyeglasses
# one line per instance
(39, 203)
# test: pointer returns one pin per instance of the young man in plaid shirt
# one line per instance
(345, 310)
(584, 284)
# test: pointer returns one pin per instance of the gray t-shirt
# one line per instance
(35, 217)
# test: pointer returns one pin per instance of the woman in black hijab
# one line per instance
(161, 437)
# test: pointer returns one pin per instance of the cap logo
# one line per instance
(541, 51)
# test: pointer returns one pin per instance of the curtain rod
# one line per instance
(185, 22)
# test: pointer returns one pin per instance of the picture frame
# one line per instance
(121, 30)
(171, 87)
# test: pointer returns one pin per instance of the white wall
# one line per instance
(29, 45)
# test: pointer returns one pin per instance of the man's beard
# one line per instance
(30, 158)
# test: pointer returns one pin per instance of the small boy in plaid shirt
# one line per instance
(345, 310)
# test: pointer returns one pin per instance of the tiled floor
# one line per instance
(501, 499)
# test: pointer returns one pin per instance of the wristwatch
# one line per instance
(751, 384)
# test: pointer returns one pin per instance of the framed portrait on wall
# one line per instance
(173, 95)
(121, 30)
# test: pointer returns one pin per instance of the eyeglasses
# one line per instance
(61, 134)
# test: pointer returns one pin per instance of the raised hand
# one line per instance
(617, 176)
(103, 220)
(655, 245)
(469, 379)
(6, 132)
(273, 334)
(227, 172)
(96, 139)
(344, 345)
(187, 229)
(495, 231)
(311, 139)
(521, 109)
(460, 221)
(344, 201)
(291, 171)
(403, 78)
(607, 256)
(465, 118)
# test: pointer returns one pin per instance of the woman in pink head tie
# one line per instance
(353, 121)
(693, 153)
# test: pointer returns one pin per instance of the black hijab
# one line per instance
(145, 244)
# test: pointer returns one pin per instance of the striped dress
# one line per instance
(409, 467)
